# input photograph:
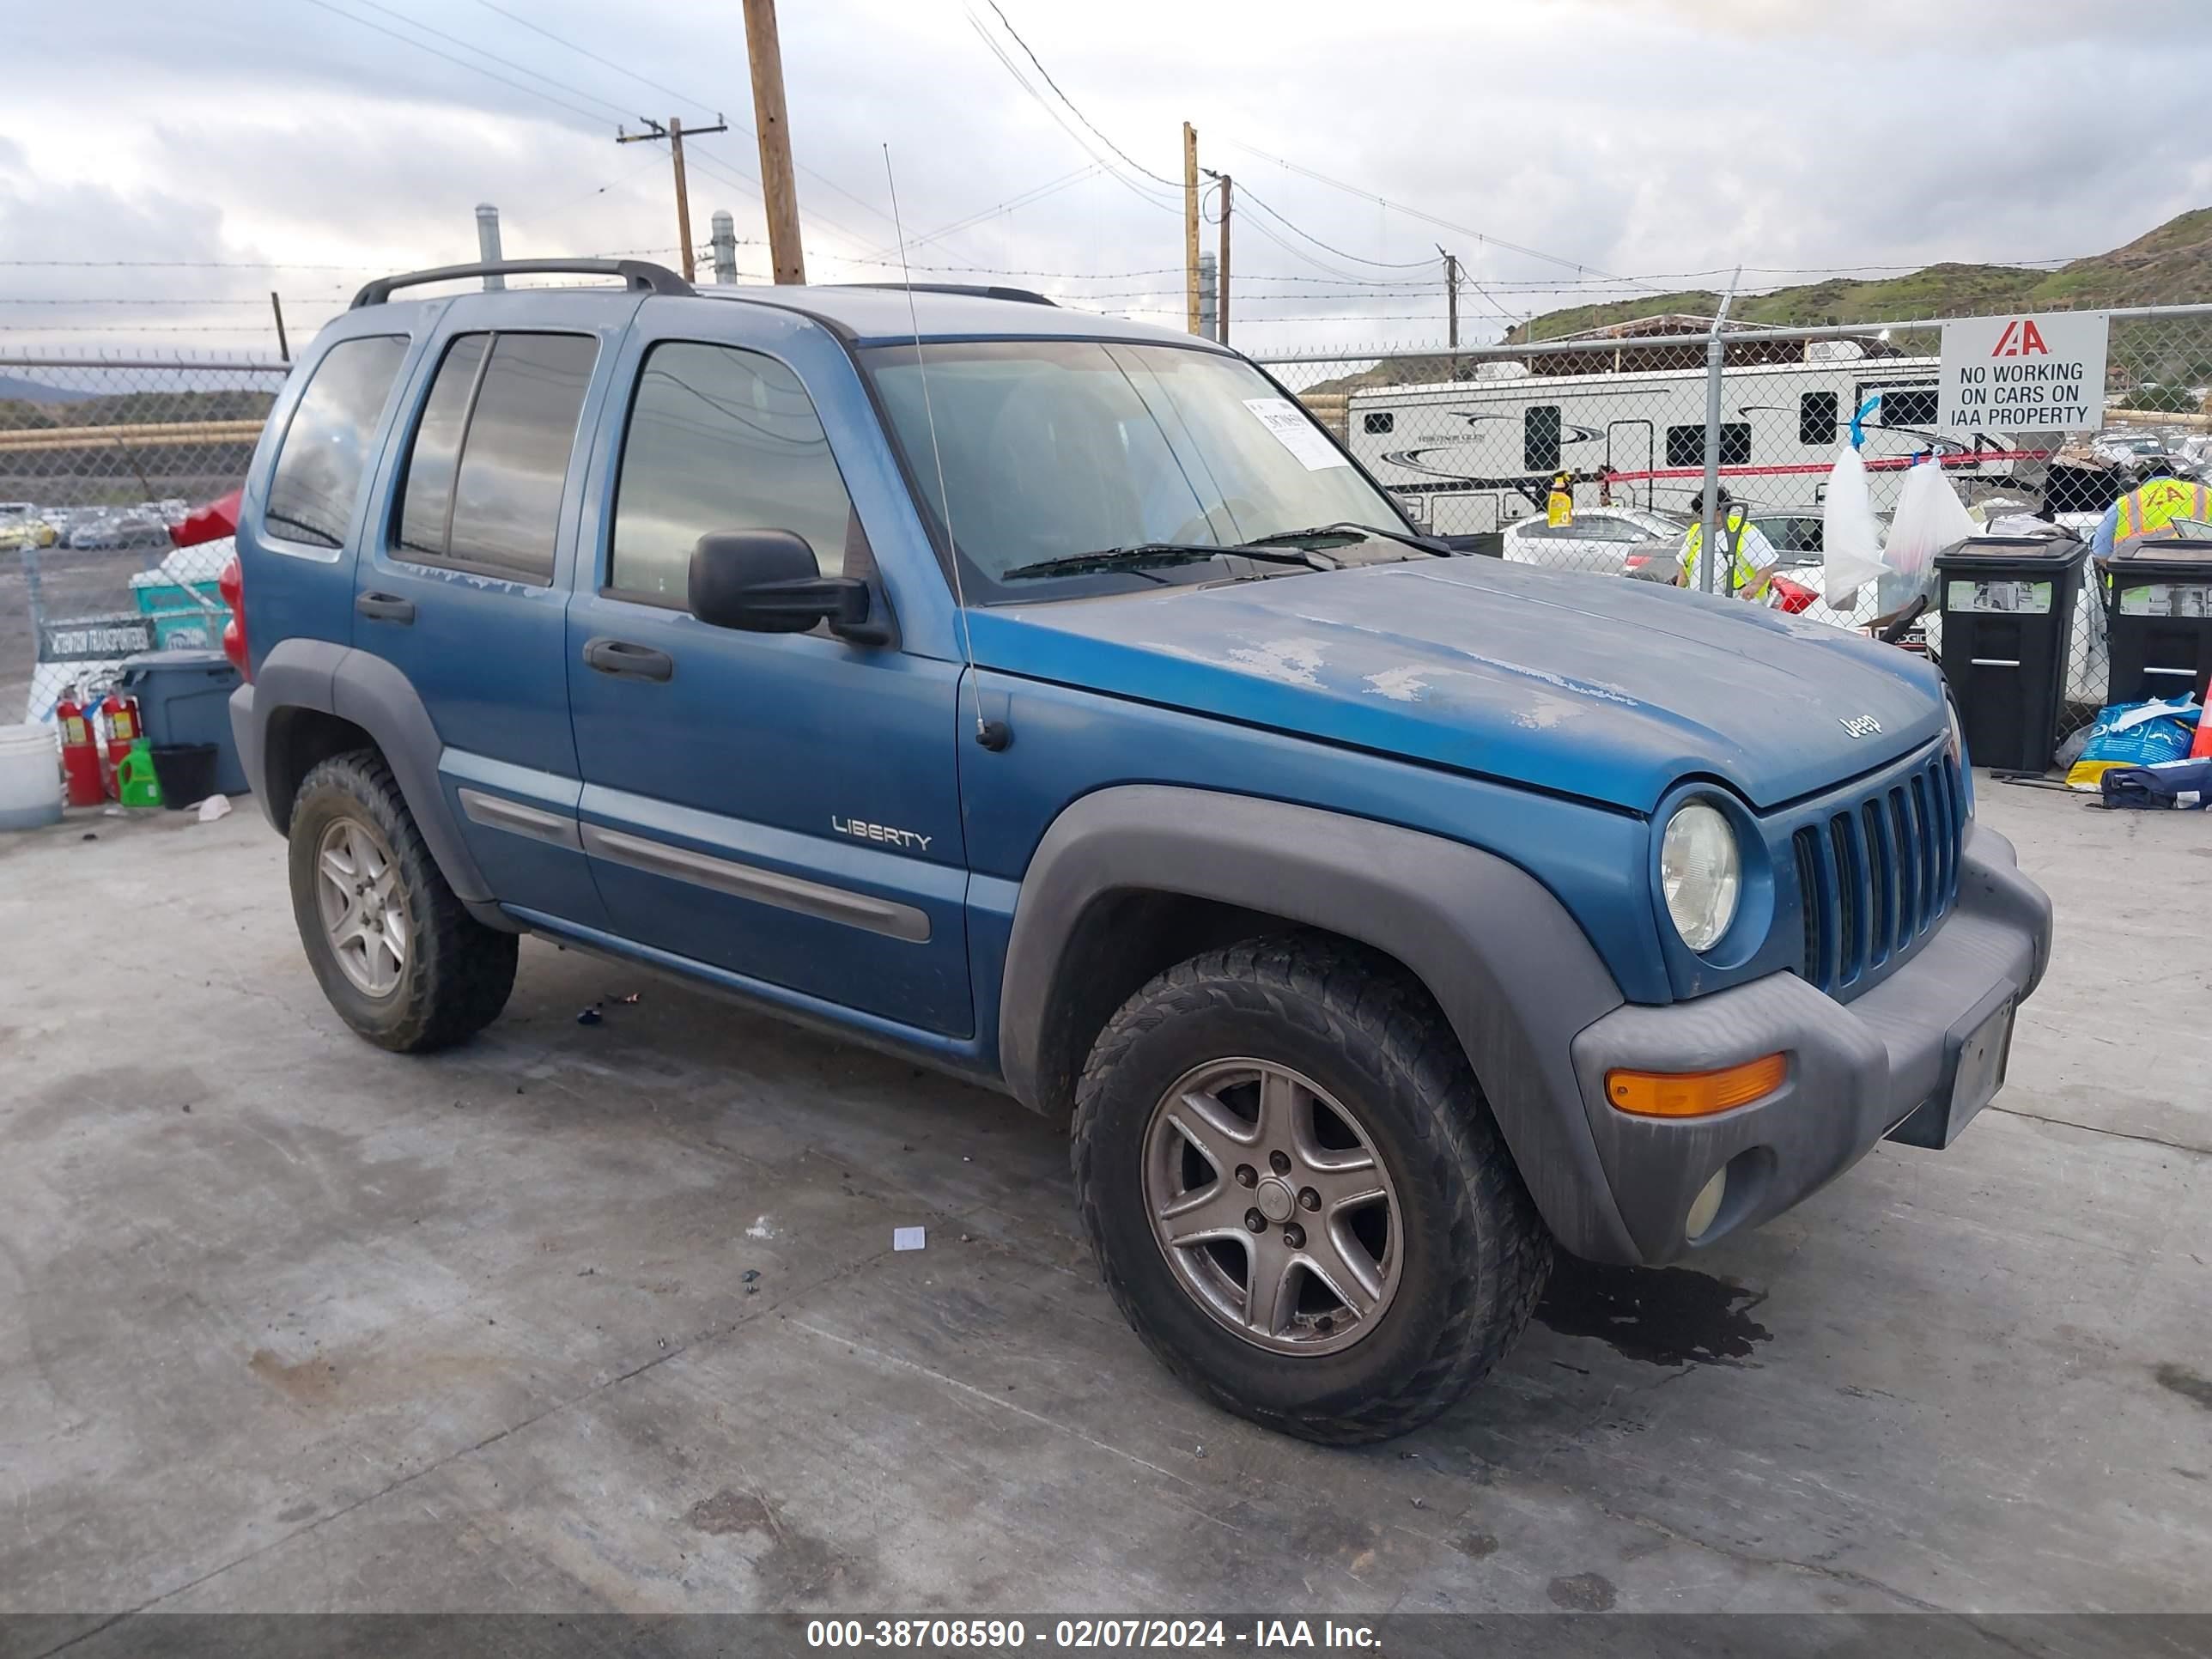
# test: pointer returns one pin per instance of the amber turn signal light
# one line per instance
(1695, 1094)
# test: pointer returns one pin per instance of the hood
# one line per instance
(1581, 684)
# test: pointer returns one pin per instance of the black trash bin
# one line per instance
(2160, 606)
(186, 773)
(2008, 605)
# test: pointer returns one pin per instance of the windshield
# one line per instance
(1055, 448)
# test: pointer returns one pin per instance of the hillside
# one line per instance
(14, 389)
(2171, 265)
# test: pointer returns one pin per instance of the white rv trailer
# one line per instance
(1468, 456)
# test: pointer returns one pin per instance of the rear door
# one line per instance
(463, 584)
(784, 807)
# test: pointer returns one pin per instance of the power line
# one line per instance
(680, 97)
(1045, 104)
(485, 51)
(1172, 184)
(1026, 199)
(404, 40)
(1414, 213)
(1342, 253)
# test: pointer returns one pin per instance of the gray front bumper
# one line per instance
(1880, 1065)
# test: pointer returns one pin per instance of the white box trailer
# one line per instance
(1475, 455)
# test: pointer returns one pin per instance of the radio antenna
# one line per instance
(985, 733)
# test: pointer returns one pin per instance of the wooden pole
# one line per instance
(1190, 224)
(778, 190)
(1451, 296)
(1221, 304)
(683, 197)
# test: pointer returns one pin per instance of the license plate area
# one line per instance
(1980, 1048)
(1981, 1069)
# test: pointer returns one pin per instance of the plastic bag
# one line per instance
(1850, 540)
(2135, 734)
(1929, 518)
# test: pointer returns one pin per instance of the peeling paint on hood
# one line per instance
(1580, 685)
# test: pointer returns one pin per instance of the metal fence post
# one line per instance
(1716, 357)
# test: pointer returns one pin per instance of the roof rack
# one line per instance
(978, 290)
(643, 276)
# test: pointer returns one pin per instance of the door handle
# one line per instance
(636, 662)
(386, 607)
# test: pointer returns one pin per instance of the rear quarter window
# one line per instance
(327, 448)
(490, 454)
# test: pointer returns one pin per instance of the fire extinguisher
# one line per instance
(79, 755)
(121, 713)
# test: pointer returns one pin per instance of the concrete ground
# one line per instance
(286, 1323)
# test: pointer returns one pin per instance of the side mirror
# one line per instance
(766, 581)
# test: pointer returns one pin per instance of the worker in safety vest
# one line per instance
(2149, 507)
(1559, 504)
(1746, 554)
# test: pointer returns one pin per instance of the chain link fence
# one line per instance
(1475, 442)
(98, 459)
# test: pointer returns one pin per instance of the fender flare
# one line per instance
(1511, 970)
(370, 693)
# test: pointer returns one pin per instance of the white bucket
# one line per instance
(30, 777)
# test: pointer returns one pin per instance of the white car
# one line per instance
(1595, 541)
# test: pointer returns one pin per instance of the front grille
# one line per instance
(1875, 878)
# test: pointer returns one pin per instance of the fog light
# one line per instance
(1705, 1206)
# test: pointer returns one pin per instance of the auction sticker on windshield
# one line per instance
(2017, 373)
(1296, 432)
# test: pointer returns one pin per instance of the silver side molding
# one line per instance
(498, 813)
(745, 881)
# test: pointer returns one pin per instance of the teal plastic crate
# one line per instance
(186, 615)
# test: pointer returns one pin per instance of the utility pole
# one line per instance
(724, 244)
(1190, 226)
(1451, 299)
(487, 243)
(674, 133)
(779, 192)
(1208, 289)
(1221, 305)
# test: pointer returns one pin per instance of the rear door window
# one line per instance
(490, 455)
(327, 448)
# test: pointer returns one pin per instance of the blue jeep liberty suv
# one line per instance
(1049, 699)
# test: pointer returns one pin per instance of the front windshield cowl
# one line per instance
(1054, 450)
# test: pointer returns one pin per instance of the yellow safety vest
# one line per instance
(1741, 572)
(2161, 501)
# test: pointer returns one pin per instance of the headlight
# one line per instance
(1701, 873)
(1958, 745)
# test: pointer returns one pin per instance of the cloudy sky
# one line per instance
(1580, 147)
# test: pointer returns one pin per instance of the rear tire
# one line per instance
(1404, 1193)
(400, 958)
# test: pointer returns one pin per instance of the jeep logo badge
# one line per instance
(1862, 726)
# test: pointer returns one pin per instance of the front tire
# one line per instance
(1296, 1193)
(399, 957)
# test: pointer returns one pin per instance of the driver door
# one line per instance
(782, 807)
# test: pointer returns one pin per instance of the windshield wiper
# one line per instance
(1144, 554)
(1344, 533)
